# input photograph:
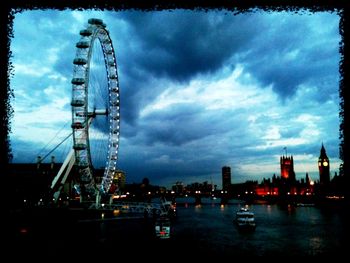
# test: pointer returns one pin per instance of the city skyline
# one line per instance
(199, 90)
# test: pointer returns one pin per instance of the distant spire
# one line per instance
(323, 150)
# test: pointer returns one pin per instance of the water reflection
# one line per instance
(207, 228)
(281, 230)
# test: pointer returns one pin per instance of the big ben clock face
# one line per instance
(325, 163)
(319, 163)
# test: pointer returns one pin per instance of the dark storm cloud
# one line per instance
(182, 44)
(173, 164)
(290, 52)
(157, 174)
(176, 125)
(134, 94)
(287, 76)
(179, 125)
(179, 46)
(174, 46)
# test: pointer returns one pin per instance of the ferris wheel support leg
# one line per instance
(59, 179)
(98, 199)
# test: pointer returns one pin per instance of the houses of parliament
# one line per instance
(286, 184)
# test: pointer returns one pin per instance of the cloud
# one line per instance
(39, 124)
(288, 58)
(168, 50)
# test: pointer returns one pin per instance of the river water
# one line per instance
(202, 231)
(281, 230)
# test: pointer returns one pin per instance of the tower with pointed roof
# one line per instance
(324, 167)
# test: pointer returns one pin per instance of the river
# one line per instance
(202, 231)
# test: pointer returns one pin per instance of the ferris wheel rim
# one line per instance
(81, 117)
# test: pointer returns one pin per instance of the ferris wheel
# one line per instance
(95, 108)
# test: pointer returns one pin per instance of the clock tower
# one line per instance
(323, 167)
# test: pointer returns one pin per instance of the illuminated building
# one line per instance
(226, 178)
(287, 168)
(119, 179)
(323, 167)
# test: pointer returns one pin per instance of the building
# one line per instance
(178, 188)
(226, 178)
(287, 168)
(31, 181)
(119, 179)
(323, 167)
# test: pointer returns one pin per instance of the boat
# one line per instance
(162, 227)
(245, 219)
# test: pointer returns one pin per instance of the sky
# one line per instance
(199, 90)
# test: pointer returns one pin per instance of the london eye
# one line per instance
(95, 109)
